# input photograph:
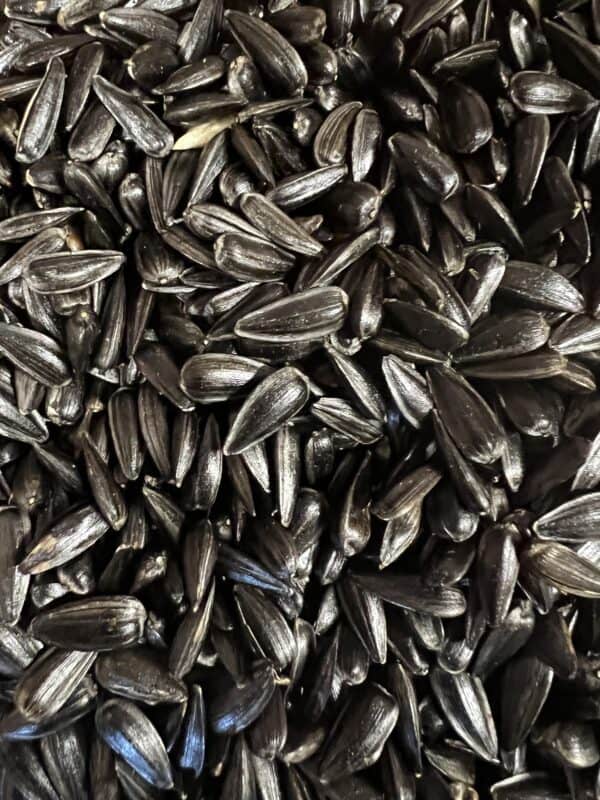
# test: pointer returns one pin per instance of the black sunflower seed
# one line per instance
(41, 115)
(71, 272)
(430, 170)
(131, 735)
(47, 684)
(540, 93)
(236, 708)
(67, 538)
(274, 402)
(100, 623)
(144, 127)
(133, 673)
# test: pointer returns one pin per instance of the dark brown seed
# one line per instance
(532, 134)
(564, 569)
(422, 17)
(535, 678)
(106, 493)
(192, 748)
(200, 549)
(155, 363)
(190, 637)
(209, 378)
(13, 583)
(29, 223)
(541, 287)
(431, 171)
(497, 572)
(573, 521)
(267, 626)
(288, 467)
(61, 755)
(428, 327)
(500, 337)
(25, 773)
(312, 314)
(406, 492)
(123, 421)
(183, 446)
(366, 616)
(459, 103)
(86, 64)
(92, 133)
(248, 259)
(343, 417)
(275, 224)
(48, 241)
(494, 217)
(35, 353)
(17, 650)
(152, 415)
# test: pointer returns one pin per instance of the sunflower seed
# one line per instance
(48, 683)
(131, 735)
(70, 536)
(41, 115)
(97, 623)
(71, 272)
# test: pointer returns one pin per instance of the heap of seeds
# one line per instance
(299, 422)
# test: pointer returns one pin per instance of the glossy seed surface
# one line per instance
(299, 406)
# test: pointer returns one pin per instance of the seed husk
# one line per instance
(25, 225)
(36, 354)
(275, 55)
(468, 419)
(431, 171)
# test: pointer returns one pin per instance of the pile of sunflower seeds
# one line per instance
(299, 422)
